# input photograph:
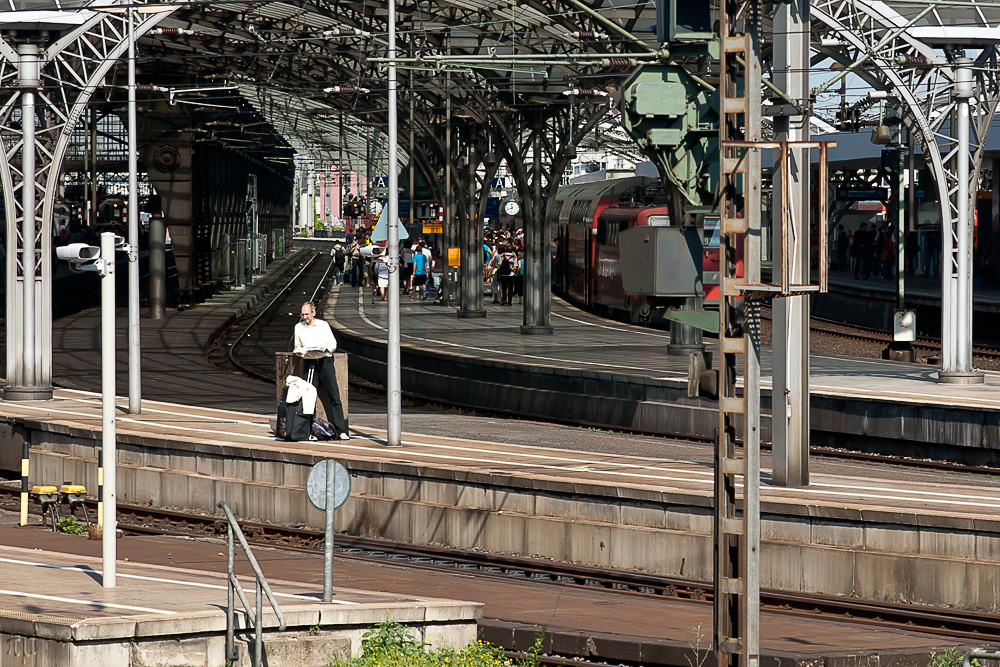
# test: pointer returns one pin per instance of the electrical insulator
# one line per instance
(589, 35)
(911, 61)
(621, 63)
(171, 32)
(346, 32)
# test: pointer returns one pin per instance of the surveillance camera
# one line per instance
(78, 252)
(372, 250)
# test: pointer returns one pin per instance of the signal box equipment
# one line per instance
(661, 263)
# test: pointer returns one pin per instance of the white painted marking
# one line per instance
(643, 472)
(176, 582)
(636, 331)
(146, 410)
(89, 603)
(519, 355)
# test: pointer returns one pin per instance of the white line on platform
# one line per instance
(959, 399)
(89, 603)
(573, 464)
(168, 427)
(636, 332)
(520, 355)
(97, 401)
(849, 489)
(160, 580)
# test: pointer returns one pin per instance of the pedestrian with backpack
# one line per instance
(339, 257)
(421, 267)
(506, 263)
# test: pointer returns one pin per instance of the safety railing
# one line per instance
(236, 589)
(984, 653)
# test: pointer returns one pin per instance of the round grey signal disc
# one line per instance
(316, 485)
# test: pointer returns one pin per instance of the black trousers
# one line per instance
(324, 374)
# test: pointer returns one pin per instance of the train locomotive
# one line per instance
(586, 220)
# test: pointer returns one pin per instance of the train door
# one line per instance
(562, 259)
(592, 257)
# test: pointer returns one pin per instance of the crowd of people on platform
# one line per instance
(353, 265)
(503, 265)
(421, 265)
(870, 251)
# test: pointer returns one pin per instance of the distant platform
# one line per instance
(596, 372)
(54, 610)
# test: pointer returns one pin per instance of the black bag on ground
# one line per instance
(322, 430)
(293, 424)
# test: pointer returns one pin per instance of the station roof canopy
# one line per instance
(315, 70)
(303, 64)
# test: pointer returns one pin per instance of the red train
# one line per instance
(586, 220)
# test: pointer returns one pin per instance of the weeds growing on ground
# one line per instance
(391, 645)
(950, 658)
(69, 524)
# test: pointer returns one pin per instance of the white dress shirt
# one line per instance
(314, 342)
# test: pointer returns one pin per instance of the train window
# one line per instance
(658, 221)
(711, 232)
(579, 212)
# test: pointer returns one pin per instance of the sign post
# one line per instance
(327, 487)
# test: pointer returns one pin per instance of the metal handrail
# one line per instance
(235, 587)
(985, 653)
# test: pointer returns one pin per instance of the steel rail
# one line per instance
(933, 620)
(829, 452)
(267, 309)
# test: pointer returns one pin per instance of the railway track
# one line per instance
(858, 334)
(250, 345)
(939, 621)
(252, 350)
(875, 336)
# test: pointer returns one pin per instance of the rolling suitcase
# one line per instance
(293, 425)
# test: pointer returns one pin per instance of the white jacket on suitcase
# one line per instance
(297, 389)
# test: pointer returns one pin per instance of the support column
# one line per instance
(538, 260)
(471, 293)
(411, 184)
(393, 377)
(684, 338)
(158, 266)
(134, 333)
(956, 251)
(790, 393)
(310, 213)
(24, 370)
(451, 276)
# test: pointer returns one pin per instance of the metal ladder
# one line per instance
(236, 589)
(736, 603)
(737, 533)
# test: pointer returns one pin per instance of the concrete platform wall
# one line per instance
(200, 641)
(970, 436)
(886, 556)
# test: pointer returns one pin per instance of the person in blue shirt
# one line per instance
(420, 267)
